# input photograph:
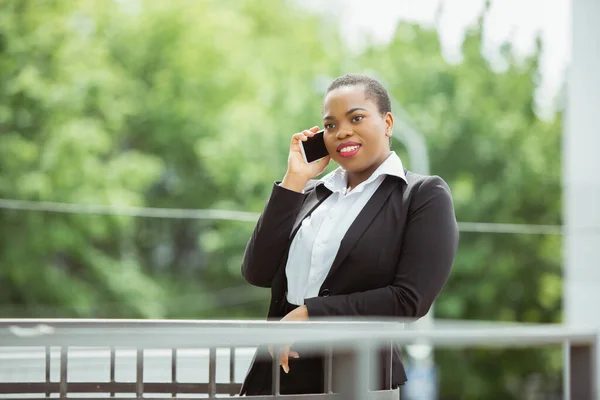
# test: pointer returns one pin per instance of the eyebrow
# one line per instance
(350, 111)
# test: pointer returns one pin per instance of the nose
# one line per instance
(343, 133)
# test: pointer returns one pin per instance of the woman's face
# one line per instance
(355, 130)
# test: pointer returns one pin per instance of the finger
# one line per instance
(300, 136)
(283, 361)
(293, 354)
(310, 132)
(284, 358)
(314, 129)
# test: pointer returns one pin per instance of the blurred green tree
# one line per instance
(186, 105)
(63, 107)
(216, 102)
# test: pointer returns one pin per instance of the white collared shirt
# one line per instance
(317, 242)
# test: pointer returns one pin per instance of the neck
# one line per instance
(358, 177)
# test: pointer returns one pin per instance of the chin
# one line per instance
(352, 165)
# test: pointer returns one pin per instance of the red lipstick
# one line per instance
(348, 149)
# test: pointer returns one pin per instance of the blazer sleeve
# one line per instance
(270, 237)
(429, 246)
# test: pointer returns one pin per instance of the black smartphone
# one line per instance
(314, 148)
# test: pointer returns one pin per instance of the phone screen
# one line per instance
(314, 148)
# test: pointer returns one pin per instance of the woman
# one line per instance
(368, 239)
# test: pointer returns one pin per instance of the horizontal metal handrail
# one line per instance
(205, 334)
(580, 343)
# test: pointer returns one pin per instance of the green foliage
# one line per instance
(190, 104)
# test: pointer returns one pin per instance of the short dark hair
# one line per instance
(373, 89)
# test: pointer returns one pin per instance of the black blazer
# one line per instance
(392, 262)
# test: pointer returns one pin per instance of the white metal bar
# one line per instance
(225, 334)
(241, 216)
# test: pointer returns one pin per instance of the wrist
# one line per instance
(304, 311)
(294, 182)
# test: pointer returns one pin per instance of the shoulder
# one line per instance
(423, 188)
(421, 182)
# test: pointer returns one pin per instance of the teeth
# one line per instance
(349, 148)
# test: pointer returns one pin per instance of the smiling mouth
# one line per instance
(349, 151)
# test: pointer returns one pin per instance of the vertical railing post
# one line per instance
(174, 371)
(64, 355)
(566, 370)
(139, 381)
(112, 369)
(232, 370)
(48, 366)
(582, 370)
(212, 373)
(275, 372)
(351, 372)
(362, 371)
(388, 355)
(328, 371)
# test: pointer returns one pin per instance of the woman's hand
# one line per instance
(299, 314)
(299, 172)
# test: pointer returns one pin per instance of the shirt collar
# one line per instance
(337, 180)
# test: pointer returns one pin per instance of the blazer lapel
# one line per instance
(314, 198)
(363, 220)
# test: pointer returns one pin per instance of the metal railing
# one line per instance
(65, 384)
(357, 340)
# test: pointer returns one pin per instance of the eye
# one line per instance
(357, 118)
(329, 126)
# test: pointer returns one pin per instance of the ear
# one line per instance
(389, 123)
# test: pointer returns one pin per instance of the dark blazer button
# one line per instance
(325, 292)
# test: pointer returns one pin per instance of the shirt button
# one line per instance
(325, 292)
